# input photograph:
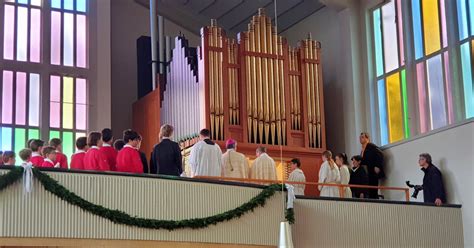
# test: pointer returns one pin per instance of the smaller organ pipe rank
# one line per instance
(256, 89)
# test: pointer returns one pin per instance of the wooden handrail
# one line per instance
(340, 186)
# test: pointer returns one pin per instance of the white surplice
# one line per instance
(263, 168)
(298, 176)
(331, 176)
(205, 159)
(234, 164)
(345, 178)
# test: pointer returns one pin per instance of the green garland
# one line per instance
(11, 177)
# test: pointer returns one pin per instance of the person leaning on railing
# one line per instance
(358, 177)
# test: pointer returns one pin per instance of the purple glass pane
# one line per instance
(55, 38)
(81, 116)
(22, 33)
(81, 41)
(54, 114)
(7, 97)
(9, 32)
(20, 100)
(81, 91)
(68, 45)
(35, 35)
(34, 100)
(55, 89)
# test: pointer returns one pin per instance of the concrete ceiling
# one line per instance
(233, 15)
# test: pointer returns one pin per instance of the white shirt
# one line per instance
(35, 154)
(80, 151)
(106, 145)
(298, 176)
(263, 168)
(234, 164)
(205, 160)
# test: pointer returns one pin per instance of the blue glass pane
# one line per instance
(81, 5)
(378, 42)
(68, 4)
(6, 139)
(462, 19)
(467, 79)
(418, 35)
(56, 4)
(22, 1)
(382, 112)
(436, 92)
(471, 15)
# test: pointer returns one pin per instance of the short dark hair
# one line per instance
(343, 156)
(357, 158)
(25, 154)
(28, 143)
(296, 161)
(107, 134)
(261, 149)
(205, 132)
(93, 138)
(119, 144)
(8, 155)
(48, 150)
(55, 142)
(427, 157)
(130, 135)
(81, 143)
(36, 144)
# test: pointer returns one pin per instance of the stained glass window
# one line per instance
(465, 10)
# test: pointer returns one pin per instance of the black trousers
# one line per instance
(373, 181)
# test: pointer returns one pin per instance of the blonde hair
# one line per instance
(166, 131)
(328, 155)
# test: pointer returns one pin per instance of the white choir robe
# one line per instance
(331, 176)
(234, 164)
(205, 159)
(298, 176)
(263, 168)
(345, 177)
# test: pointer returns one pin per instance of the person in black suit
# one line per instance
(166, 158)
(358, 177)
(373, 158)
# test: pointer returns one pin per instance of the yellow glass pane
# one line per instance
(68, 115)
(394, 102)
(431, 26)
(68, 86)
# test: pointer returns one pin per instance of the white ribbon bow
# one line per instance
(27, 178)
(291, 195)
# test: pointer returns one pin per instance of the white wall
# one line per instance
(452, 151)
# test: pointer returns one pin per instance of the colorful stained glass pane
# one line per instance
(81, 116)
(390, 36)
(55, 38)
(68, 143)
(34, 100)
(35, 2)
(68, 89)
(471, 16)
(20, 142)
(420, 78)
(54, 134)
(378, 42)
(81, 88)
(55, 89)
(81, 5)
(406, 121)
(6, 139)
(68, 115)
(467, 79)
(9, 32)
(417, 31)
(68, 45)
(382, 112)
(33, 134)
(7, 97)
(22, 1)
(394, 104)
(449, 94)
(55, 105)
(78, 135)
(431, 26)
(81, 41)
(56, 4)
(400, 32)
(54, 114)
(35, 34)
(22, 33)
(436, 92)
(462, 19)
(68, 4)
(20, 99)
(444, 32)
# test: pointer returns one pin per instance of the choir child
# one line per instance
(36, 147)
(119, 144)
(49, 154)
(94, 159)
(109, 152)
(77, 159)
(9, 158)
(128, 159)
(25, 155)
(60, 157)
(297, 175)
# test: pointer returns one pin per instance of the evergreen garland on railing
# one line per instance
(11, 177)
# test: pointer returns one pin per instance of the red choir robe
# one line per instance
(111, 154)
(95, 160)
(36, 159)
(77, 160)
(128, 160)
(61, 159)
(47, 163)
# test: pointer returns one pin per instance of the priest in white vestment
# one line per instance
(264, 166)
(297, 175)
(206, 156)
(234, 164)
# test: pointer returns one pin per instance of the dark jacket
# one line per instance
(144, 162)
(433, 186)
(166, 159)
(373, 157)
(359, 177)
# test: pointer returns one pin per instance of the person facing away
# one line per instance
(36, 147)
(358, 177)
(342, 163)
(8, 158)
(94, 159)
(234, 164)
(128, 159)
(206, 156)
(49, 154)
(373, 158)
(433, 187)
(297, 175)
(146, 169)
(263, 167)
(25, 156)
(119, 144)
(60, 157)
(77, 159)
(329, 174)
(109, 152)
(166, 158)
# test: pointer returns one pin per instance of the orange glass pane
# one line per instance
(431, 26)
(395, 113)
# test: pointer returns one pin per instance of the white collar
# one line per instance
(48, 160)
(94, 147)
(130, 147)
(165, 138)
(106, 145)
(80, 151)
(35, 154)
(354, 169)
(58, 151)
